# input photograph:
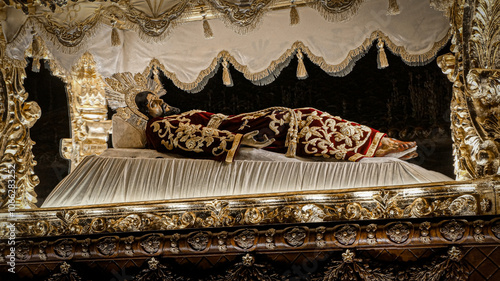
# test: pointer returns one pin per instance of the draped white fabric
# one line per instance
(189, 56)
(127, 175)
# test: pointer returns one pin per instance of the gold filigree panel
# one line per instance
(17, 178)
(474, 71)
(444, 200)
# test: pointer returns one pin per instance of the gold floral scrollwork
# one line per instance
(465, 205)
(253, 216)
(219, 214)
(246, 239)
(295, 237)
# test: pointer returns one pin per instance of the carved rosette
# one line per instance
(64, 248)
(151, 244)
(295, 237)
(23, 250)
(246, 239)
(199, 241)
(107, 246)
(495, 228)
(346, 235)
(453, 230)
(398, 232)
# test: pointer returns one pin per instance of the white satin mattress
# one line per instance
(130, 175)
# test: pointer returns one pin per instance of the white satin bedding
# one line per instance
(129, 175)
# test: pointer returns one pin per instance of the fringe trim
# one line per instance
(336, 14)
(81, 44)
(393, 8)
(275, 67)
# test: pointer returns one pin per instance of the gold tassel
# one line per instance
(226, 76)
(294, 15)
(381, 58)
(301, 68)
(206, 29)
(393, 8)
(115, 37)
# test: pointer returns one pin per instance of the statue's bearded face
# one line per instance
(157, 107)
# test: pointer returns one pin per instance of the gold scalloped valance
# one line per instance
(188, 40)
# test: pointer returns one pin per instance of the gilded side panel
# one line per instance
(474, 71)
(17, 117)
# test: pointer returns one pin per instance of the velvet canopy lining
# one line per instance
(189, 59)
(130, 175)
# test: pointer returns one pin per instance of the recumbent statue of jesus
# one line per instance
(303, 132)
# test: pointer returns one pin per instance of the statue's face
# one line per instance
(156, 106)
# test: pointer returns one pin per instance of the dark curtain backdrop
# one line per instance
(409, 103)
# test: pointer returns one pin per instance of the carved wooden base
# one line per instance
(461, 248)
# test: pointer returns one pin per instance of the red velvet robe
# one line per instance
(303, 132)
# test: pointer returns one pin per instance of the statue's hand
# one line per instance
(248, 140)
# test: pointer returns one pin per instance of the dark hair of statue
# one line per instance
(142, 102)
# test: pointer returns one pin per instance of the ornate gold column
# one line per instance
(474, 69)
(17, 178)
(88, 112)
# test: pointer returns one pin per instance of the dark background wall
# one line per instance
(409, 103)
